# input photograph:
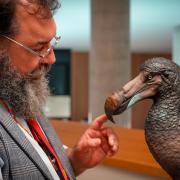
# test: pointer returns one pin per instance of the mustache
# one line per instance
(39, 72)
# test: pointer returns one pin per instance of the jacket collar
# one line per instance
(57, 145)
(19, 137)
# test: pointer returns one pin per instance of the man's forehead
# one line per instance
(31, 23)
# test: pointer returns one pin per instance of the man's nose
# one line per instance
(50, 59)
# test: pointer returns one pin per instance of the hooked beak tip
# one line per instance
(111, 118)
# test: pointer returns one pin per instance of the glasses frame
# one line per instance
(57, 40)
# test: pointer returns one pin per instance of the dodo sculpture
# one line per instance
(159, 79)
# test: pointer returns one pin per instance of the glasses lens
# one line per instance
(55, 42)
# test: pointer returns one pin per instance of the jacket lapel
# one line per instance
(15, 132)
(57, 145)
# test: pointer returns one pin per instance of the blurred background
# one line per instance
(102, 46)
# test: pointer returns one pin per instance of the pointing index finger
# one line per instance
(98, 122)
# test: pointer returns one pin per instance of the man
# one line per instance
(29, 148)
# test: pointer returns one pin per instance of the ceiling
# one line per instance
(152, 23)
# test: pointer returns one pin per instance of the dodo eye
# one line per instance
(149, 77)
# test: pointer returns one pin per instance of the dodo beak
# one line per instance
(135, 90)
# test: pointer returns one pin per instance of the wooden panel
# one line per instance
(140, 110)
(79, 85)
(133, 154)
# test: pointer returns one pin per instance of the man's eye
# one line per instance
(38, 49)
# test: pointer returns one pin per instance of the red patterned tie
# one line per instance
(40, 137)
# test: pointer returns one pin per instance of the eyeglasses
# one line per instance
(44, 52)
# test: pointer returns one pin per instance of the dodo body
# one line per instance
(159, 79)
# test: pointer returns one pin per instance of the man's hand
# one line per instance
(96, 143)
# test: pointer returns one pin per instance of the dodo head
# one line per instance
(157, 77)
(168, 71)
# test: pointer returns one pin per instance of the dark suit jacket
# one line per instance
(18, 158)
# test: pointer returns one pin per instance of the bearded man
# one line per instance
(29, 147)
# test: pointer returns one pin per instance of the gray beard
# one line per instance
(26, 95)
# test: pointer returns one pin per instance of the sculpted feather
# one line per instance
(159, 79)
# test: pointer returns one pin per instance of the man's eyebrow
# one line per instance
(43, 42)
(39, 43)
